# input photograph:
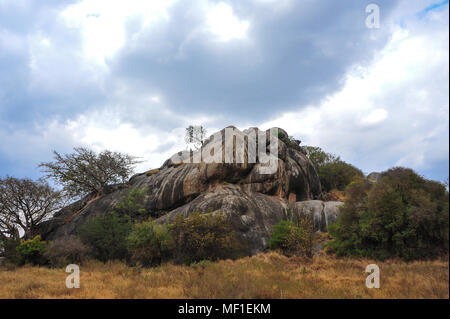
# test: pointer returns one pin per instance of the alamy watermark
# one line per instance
(373, 280)
(373, 19)
(250, 146)
(73, 280)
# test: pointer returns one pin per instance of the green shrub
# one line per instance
(293, 238)
(67, 250)
(334, 174)
(150, 243)
(9, 249)
(204, 237)
(107, 234)
(338, 175)
(134, 204)
(31, 251)
(401, 215)
(318, 156)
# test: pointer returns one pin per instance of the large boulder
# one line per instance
(255, 200)
(322, 213)
(252, 214)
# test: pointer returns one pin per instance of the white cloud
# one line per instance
(394, 112)
(103, 22)
(88, 66)
(224, 24)
(374, 117)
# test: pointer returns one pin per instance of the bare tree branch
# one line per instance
(24, 204)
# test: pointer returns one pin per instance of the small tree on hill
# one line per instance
(319, 157)
(83, 171)
(195, 136)
(334, 173)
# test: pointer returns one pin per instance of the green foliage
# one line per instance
(284, 138)
(31, 251)
(67, 250)
(8, 249)
(337, 175)
(318, 156)
(150, 243)
(293, 238)
(204, 237)
(401, 215)
(334, 173)
(280, 231)
(107, 234)
(84, 172)
(134, 203)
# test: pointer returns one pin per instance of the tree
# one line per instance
(337, 175)
(24, 204)
(333, 172)
(400, 215)
(107, 234)
(319, 157)
(293, 238)
(150, 243)
(195, 136)
(83, 171)
(133, 204)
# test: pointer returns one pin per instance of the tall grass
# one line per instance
(267, 275)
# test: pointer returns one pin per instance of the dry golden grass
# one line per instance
(267, 275)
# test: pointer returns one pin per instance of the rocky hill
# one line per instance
(254, 201)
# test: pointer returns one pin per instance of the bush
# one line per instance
(334, 174)
(334, 195)
(150, 243)
(318, 156)
(134, 203)
(204, 237)
(107, 235)
(31, 251)
(67, 250)
(293, 238)
(401, 215)
(9, 250)
(338, 175)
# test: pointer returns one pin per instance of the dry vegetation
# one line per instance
(268, 275)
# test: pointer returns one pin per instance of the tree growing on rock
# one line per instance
(195, 136)
(319, 157)
(85, 172)
(334, 173)
(24, 204)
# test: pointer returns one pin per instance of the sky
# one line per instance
(129, 76)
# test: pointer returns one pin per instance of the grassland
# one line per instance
(267, 275)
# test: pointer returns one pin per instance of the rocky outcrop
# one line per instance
(322, 213)
(252, 214)
(373, 177)
(255, 201)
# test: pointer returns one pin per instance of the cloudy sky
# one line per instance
(131, 75)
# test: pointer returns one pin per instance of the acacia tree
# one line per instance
(195, 136)
(85, 172)
(24, 204)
